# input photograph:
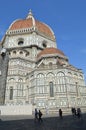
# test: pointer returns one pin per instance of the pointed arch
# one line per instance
(50, 77)
(51, 87)
(70, 78)
(11, 80)
(40, 83)
(50, 74)
(61, 81)
(60, 73)
(11, 93)
(20, 90)
(20, 80)
(51, 83)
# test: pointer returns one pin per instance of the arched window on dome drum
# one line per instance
(20, 41)
(51, 89)
(14, 52)
(44, 43)
(27, 54)
(21, 52)
(11, 93)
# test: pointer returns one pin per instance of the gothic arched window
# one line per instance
(11, 93)
(20, 80)
(51, 89)
(61, 81)
(20, 90)
(40, 83)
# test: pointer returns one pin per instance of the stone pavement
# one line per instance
(49, 123)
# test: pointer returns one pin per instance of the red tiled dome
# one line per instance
(50, 51)
(20, 24)
(31, 22)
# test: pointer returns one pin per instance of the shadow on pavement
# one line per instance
(49, 123)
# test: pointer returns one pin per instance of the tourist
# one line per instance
(36, 115)
(75, 114)
(79, 113)
(60, 113)
(40, 116)
(73, 111)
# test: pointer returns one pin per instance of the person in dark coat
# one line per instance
(40, 116)
(73, 111)
(60, 113)
(79, 112)
(36, 115)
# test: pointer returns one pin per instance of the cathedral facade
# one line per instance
(34, 71)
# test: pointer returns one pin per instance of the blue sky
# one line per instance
(67, 18)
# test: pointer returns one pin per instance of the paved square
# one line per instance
(49, 123)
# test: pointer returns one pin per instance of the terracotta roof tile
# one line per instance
(28, 23)
(44, 28)
(50, 51)
(19, 24)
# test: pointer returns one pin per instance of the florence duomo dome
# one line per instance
(34, 71)
(31, 23)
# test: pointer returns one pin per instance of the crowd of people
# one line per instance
(75, 113)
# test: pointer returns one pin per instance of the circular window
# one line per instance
(21, 52)
(27, 54)
(14, 52)
(44, 45)
(20, 41)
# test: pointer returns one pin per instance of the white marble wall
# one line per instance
(29, 39)
(16, 110)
